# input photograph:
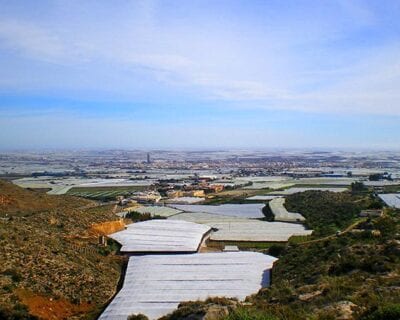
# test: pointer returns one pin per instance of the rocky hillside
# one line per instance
(51, 266)
(353, 275)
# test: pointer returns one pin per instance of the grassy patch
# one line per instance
(242, 245)
(391, 189)
(299, 239)
(237, 196)
(249, 314)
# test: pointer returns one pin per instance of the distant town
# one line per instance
(188, 176)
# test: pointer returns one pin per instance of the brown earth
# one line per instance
(47, 247)
(15, 200)
(108, 227)
(51, 309)
(5, 200)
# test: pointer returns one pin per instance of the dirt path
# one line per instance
(348, 229)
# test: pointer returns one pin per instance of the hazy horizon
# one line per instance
(205, 149)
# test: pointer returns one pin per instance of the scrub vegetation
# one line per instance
(135, 216)
(51, 263)
(349, 275)
(53, 267)
(237, 196)
(328, 212)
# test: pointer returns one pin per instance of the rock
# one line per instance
(216, 312)
(309, 296)
(376, 233)
(343, 310)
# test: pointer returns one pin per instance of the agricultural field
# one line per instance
(251, 211)
(234, 196)
(283, 183)
(391, 189)
(104, 193)
(242, 245)
(351, 275)
(293, 190)
(58, 186)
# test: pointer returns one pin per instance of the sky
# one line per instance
(199, 74)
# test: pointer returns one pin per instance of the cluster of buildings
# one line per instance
(143, 197)
(196, 190)
(174, 192)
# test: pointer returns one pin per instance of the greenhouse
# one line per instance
(154, 285)
(161, 236)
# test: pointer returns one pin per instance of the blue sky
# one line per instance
(199, 74)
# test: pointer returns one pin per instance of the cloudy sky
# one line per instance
(196, 74)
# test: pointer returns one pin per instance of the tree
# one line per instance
(358, 187)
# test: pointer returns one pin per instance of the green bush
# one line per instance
(269, 216)
(249, 314)
(389, 312)
(19, 312)
(15, 276)
(325, 212)
(137, 216)
(276, 250)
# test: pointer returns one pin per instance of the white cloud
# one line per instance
(272, 64)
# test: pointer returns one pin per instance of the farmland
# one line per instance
(104, 193)
(354, 275)
(346, 259)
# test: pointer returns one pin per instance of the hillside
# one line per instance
(15, 200)
(354, 275)
(322, 279)
(338, 209)
(51, 265)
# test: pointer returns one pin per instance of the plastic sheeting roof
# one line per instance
(262, 198)
(257, 231)
(249, 210)
(241, 229)
(158, 211)
(161, 236)
(185, 200)
(154, 285)
(299, 189)
(391, 199)
(281, 214)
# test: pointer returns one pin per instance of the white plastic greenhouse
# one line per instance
(161, 236)
(154, 285)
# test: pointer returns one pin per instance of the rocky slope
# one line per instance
(51, 265)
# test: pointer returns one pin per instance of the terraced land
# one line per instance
(104, 193)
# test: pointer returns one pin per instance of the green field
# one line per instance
(242, 245)
(104, 193)
(237, 196)
(299, 185)
(391, 189)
